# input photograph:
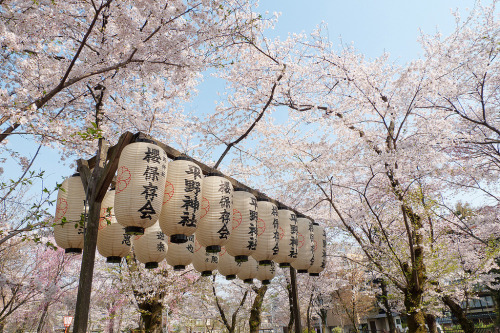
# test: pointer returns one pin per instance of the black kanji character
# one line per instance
(150, 191)
(126, 239)
(252, 245)
(147, 210)
(160, 235)
(274, 211)
(195, 171)
(192, 186)
(160, 247)
(224, 187)
(253, 215)
(225, 202)
(190, 248)
(223, 232)
(191, 203)
(187, 220)
(293, 218)
(152, 155)
(253, 202)
(151, 173)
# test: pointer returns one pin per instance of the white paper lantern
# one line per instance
(140, 185)
(112, 241)
(266, 273)
(215, 223)
(319, 251)
(151, 247)
(288, 232)
(203, 261)
(228, 265)
(179, 255)
(248, 270)
(70, 210)
(242, 241)
(182, 201)
(305, 254)
(267, 233)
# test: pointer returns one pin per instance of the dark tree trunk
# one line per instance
(290, 303)
(430, 320)
(323, 315)
(309, 312)
(41, 322)
(388, 309)
(151, 312)
(255, 312)
(416, 317)
(466, 325)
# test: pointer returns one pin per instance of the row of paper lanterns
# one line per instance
(153, 198)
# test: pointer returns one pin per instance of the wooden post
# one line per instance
(295, 299)
(96, 184)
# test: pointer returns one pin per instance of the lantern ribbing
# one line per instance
(112, 241)
(267, 233)
(215, 223)
(140, 186)
(151, 247)
(305, 253)
(70, 209)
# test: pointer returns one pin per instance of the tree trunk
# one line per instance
(323, 315)
(466, 325)
(290, 303)
(430, 320)
(151, 312)
(388, 309)
(416, 317)
(41, 322)
(255, 312)
(309, 313)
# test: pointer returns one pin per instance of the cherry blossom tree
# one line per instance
(56, 57)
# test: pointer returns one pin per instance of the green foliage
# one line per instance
(91, 133)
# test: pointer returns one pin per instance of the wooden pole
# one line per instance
(295, 300)
(96, 184)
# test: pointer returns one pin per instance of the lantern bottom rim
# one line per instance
(73, 250)
(206, 273)
(113, 259)
(231, 277)
(151, 265)
(213, 248)
(265, 262)
(178, 239)
(284, 264)
(241, 258)
(302, 271)
(313, 274)
(248, 281)
(266, 282)
(133, 230)
(179, 268)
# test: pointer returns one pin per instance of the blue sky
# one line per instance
(373, 26)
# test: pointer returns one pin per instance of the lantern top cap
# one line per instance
(183, 158)
(282, 207)
(300, 215)
(263, 199)
(76, 174)
(214, 173)
(240, 189)
(142, 139)
(315, 223)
